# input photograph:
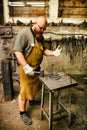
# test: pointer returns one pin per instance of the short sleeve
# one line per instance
(20, 42)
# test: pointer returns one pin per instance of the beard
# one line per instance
(38, 35)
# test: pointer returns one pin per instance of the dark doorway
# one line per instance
(1, 12)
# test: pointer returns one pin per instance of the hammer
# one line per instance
(41, 73)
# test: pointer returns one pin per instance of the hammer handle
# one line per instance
(37, 72)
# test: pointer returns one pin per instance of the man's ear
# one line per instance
(35, 22)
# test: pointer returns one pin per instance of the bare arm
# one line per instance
(53, 53)
(20, 58)
(48, 52)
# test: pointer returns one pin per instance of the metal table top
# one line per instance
(63, 81)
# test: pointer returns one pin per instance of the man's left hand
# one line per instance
(57, 52)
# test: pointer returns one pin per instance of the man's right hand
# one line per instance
(28, 70)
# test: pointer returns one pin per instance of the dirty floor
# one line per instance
(10, 119)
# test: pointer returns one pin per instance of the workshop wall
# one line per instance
(71, 36)
(73, 58)
(72, 8)
(55, 10)
(29, 10)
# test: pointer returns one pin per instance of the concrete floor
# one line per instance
(10, 119)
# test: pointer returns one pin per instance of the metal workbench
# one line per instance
(51, 84)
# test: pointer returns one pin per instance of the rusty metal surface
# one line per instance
(7, 79)
(5, 31)
(63, 82)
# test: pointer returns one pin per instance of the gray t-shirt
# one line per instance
(24, 40)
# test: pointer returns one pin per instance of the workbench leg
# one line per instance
(42, 100)
(50, 110)
(58, 100)
(69, 113)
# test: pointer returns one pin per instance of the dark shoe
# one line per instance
(34, 102)
(26, 119)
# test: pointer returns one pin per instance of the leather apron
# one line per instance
(30, 85)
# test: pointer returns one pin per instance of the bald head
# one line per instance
(41, 21)
(39, 26)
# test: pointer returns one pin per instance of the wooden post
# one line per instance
(7, 79)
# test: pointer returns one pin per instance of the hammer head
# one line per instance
(40, 73)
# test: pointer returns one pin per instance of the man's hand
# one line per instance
(57, 51)
(28, 70)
